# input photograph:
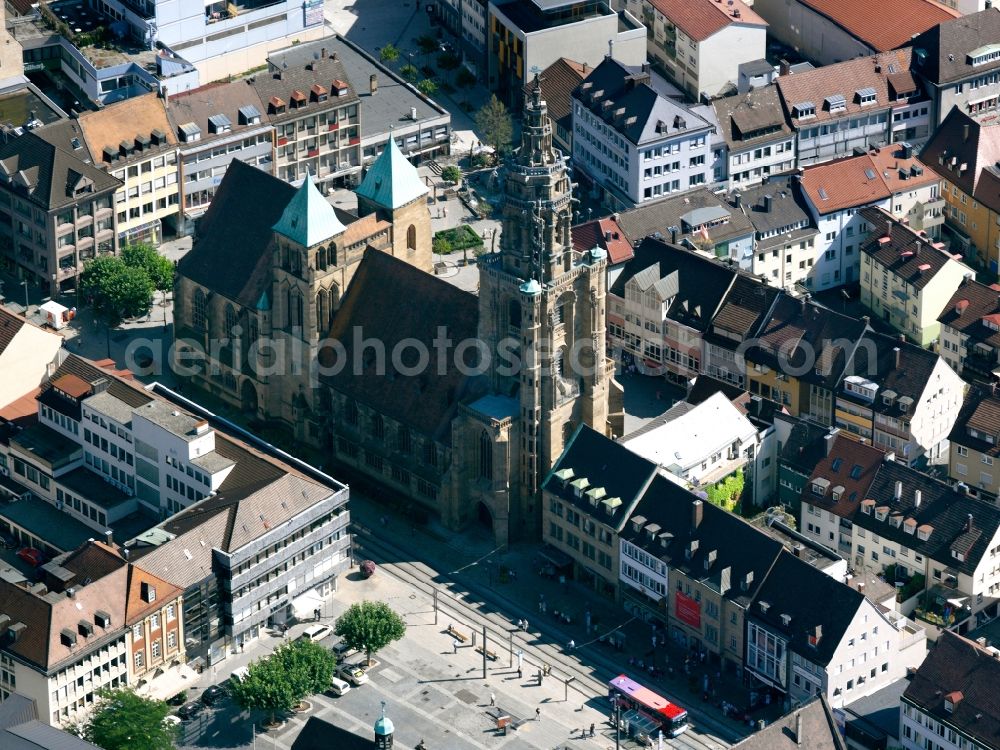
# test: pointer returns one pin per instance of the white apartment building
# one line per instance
(698, 445)
(889, 177)
(701, 44)
(633, 143)
(833, 642)
(756, 140)
(642, 571)
(785, 236)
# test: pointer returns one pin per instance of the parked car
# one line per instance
(212, 695)
(171, 721)
(31, 555)
(338, 686)
(341, 650)
(353, 673)
(189, 710)
(316, 632)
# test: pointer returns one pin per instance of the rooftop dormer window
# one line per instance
(866, 96)
(804, 110)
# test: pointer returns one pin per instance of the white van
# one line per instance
(338, 686)
(316, 632)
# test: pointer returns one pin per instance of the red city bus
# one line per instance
(630, 695)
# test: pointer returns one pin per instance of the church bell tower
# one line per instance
(542, 307)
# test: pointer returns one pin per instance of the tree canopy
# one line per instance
(266, 687)
(308, 665)
(159, 269)
(115, 290)
(427, 87)
(389, 53)
(493, 121)
(451, 173)
(123, 720)
(370, 627)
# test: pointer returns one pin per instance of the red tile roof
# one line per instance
(699, 19)
(72, 385)
(861, 180)
(882, 25)
(856, 465)
(604, 233)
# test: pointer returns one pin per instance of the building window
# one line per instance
(230, 321)
(156, 649)
(378, 427)
(198, 316)
(140, 660)
(485, 456)
(411, 238)
(137, 632)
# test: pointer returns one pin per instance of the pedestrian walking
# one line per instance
(591, 729)
(519, 675)
(493, 699)
(538, 714)
(572, 645)
(454, 646)
(524, 626)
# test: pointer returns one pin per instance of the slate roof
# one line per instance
(747, 120)
(831, 605)
(392, 103)
(788, 213)
(700, 19)
(318, 734)
(805, 332)
(20, 728)
(957, 665)
(136, 607)
(614, 87)
(738, 546)
(87, 371)
(390, 300)
(981, 412)
(658, 216)
(946, 47)
(805, 446)
(308, 218)
(392, 181)
(850, 464)
(908, 255)
(856, 181)
(970, 303)
(907, 374)
(882, 26)
(743, 312)
(10, 326)
(222, 97)
(231, 254)
(594, 233)
(702, 284)
(605, 464)
(282, 85)
(959, 141)
(558, 82)
(819, 730)
(705, 386)
(48, 176)
(186, 559)
(943, 508)
(842, 79)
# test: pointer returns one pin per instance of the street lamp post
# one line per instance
(618, 724)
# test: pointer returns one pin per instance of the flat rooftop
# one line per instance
(170, 418)
(23, 105)
(529, 18)
(89, 486)
(42, 520)
(47, 444)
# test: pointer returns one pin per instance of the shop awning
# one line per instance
(554, 556)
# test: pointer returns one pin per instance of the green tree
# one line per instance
(442, 246)
(266, 686)
(308, 664)
(115, 290)
(123, 720)
(389, 53)
(427, 44)
(451, 173)
(369, 627)
(427, 87)
(159, 269)
(410, 73)
(493, 121)
(448, 61)
(726, 494)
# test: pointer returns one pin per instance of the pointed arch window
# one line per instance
(411, 237)
(230, 320)
(199, 310)
(322, 311)
(321, 259)
(485, 455)
(378, 427)
(351, 412)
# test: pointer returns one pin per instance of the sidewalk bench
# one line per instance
(454, 633)
(491, 655)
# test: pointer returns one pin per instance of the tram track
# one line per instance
(587, 681)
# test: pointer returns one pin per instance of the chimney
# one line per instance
(611, 50)
(767, 203)
(965, 133)
(798, 728)
(968, 523)
(737, 199)
(697, 509)
(673, 235)
(888, 228)
(322, 53)
(334, 56)
(898, 492)
(917, 498)
(166, 97)
(373, 84)
(109, 538)
(895, 351)
(784, 67)
(828, 440)
(725, 580)
(607, 236)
